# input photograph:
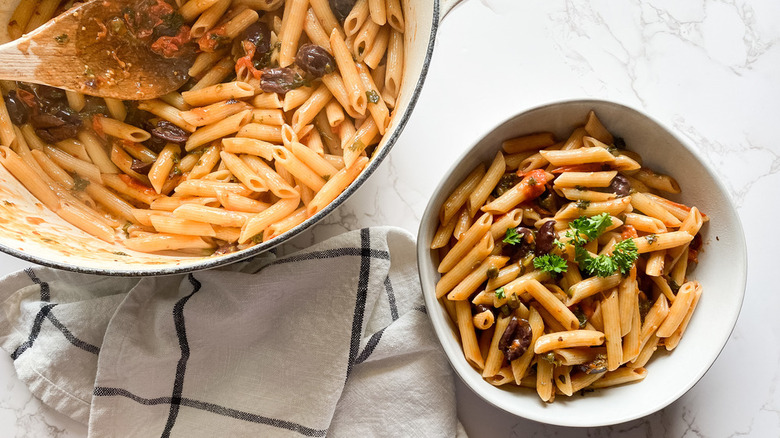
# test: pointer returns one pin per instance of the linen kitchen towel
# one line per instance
(331, 341)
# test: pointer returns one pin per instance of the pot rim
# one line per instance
(290, 234)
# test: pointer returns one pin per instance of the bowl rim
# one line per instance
(211, 263)
(441, 326)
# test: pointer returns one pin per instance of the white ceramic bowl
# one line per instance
(722, 269)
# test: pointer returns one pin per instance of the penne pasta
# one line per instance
(567, 274)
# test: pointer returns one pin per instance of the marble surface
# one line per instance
(707, 68)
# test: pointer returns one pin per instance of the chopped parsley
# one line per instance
(61, 39)
(551, 263)
(581, 317)
(532, 181)
(120, 253)
(512, 237)
(549, 357)
(257, 238)
(582, 204)
(602, 266)
(651, 238)
(585, 229)
(591, 227)
(79, 184)
(625, 254)
(372, 96)
(357, 146)
(500, 293)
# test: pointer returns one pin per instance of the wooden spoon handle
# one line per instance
(27, 60)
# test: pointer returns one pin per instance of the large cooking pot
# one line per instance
(33, 233)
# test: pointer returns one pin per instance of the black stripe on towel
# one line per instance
(181, 367)
(101, 391)
(370, 346)
(45, 293)
(391, 298)
(335, 253)
(362, 294)
(48, 314)
(36, 330)
(70, 337)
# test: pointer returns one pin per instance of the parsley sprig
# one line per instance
(581, 231)
(512, 237)
(590, 227)
(552, 263)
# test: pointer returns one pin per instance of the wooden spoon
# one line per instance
(89, 49)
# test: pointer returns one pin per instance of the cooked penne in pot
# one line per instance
(567, 265)
(285, 108)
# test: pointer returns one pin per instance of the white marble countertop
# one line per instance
(709, 69)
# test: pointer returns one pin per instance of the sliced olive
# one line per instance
(259, 34)
(141, 167)
(620, 186)
(315, 60)
(545, 238)
(279, 80)
(341, 8)
(169, 132)
(17, 110)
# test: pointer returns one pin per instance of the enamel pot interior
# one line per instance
(31, 232)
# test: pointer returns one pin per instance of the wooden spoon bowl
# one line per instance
(91, 49)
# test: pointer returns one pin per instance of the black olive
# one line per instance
(49, 95)
(480, 308)
(141, 167)
(17, 110)
(545, 238)
(509, 333)
(620, 186)
(57, 125)
(168, 131)
(341, 8)
(279, 80)
(315, 60)
(516, 338)
(59, 133)
(259, 34)
(45, 120)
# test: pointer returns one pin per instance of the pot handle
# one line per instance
(445, 6)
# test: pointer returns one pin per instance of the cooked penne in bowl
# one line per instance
(576, 272)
